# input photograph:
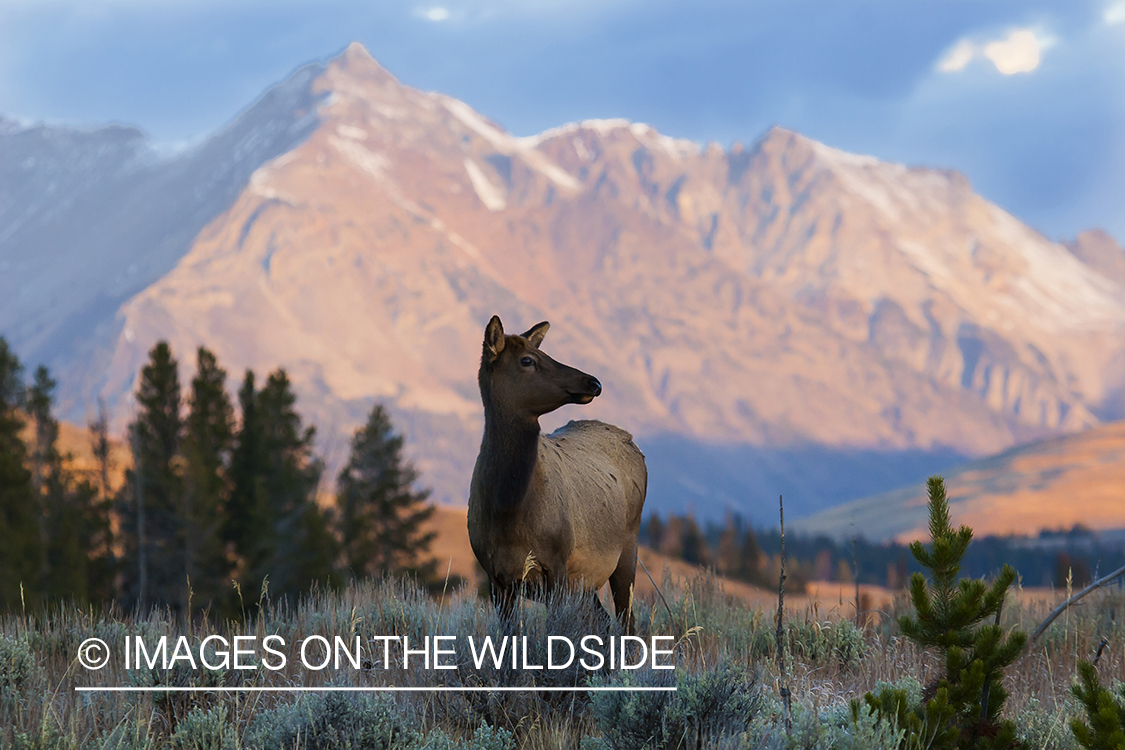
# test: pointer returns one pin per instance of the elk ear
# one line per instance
(536, 333)
(494, 338)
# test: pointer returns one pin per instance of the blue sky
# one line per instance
(1026, 98)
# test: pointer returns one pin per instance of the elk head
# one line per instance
(517, 378)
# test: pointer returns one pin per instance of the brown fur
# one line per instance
(551, 510)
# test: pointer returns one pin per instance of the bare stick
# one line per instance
(786, 696)
(671, 617)
(855, 574)
(1066, 605)
(1101, 647)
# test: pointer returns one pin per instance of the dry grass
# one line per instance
(832, 662)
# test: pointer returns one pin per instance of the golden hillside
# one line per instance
(1049, 484)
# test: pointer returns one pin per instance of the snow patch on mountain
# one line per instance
(488, 193)
(374, 164)
(678, 148)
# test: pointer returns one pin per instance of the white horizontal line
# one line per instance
(378, 689)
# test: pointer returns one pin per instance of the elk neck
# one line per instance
(510, 449)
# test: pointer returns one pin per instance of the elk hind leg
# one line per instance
(621, 584)
(504, 599)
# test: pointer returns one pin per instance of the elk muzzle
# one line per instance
(591, 390)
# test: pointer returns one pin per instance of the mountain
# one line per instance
(90, 218)
(1056, 483)
(1101, 252)
(780, 318)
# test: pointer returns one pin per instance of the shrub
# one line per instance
(17, 663)
(205, 730)
(711, 707)
(334, 722)
(834, 728)
(485, 738)
(823, 642)
(1039, 728)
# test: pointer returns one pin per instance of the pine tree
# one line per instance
(382, 517)
(693, 547)
(290, 536)
(750, 569)
(20, 553)
(962, 709)
(44, 454)
(672, 540)
(70, 517)
(100, 447)
(1106, 730)
(45, 466)
(155, 522)
(103, 565)
(655, 531)
(729, 557)
(206, 448)
(246, 505)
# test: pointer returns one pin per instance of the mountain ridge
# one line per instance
(771, 301)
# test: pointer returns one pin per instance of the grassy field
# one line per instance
(727, 677)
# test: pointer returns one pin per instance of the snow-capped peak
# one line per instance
(647, 135)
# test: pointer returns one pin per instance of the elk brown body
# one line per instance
(547, 511)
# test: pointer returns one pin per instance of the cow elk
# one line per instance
(551, 511)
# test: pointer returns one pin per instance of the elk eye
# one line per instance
(527, 361)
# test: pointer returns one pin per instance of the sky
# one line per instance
(1025, 98)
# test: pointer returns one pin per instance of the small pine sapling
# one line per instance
(962, 709)
(1106, 715)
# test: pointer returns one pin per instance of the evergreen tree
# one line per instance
(70, 516)
(155, 525)
(103, 564)
(729, 557)
(672, 540)
(46, 466)
(1106, 730)
(289, 538)
(693, 547)
(100, 447)
(44, 454)
(962, 709)
(381, 516)
(750, 567)
(20, 553)
(206, 449)
(655, 531)
(246, 505)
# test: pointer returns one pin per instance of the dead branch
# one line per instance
(786, 695)
(1063, 607)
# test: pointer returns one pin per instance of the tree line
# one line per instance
(222, 504)
(1052, 558)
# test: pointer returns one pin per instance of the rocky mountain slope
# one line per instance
(780, 318)
(1056, 483)
(1101, 252)
(89, 218)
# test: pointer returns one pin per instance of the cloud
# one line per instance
(958, 57)
(437, 13)
(1020, 51)
(1115, 13)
